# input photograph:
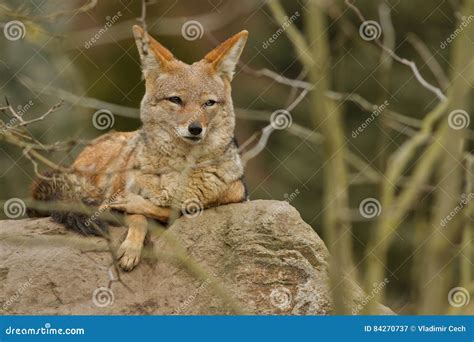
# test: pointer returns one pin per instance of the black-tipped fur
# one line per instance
(55, 187)
(81, 223)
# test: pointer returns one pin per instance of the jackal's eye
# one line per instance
(210, 103)
(175, 99)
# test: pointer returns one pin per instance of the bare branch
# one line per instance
(53, 109)
(52, 16)
(87, 102)
(429, 59)
(277, 77)
(163, 25)
(412, 65)
(295, 36)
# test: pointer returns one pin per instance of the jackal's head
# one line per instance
(190, 102)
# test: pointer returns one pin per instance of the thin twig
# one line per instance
(429, 59)
(412, 65)
(277, 77)
(53, 109)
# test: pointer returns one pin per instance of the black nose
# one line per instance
(195, 128)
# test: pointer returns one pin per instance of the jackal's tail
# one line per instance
(69, 189)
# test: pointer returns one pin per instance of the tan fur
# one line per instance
(147, 172)
(130, 250)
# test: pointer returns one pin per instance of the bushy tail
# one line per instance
(68, 188)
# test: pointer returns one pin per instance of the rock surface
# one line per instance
(262, 258)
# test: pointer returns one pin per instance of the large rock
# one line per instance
(260, 257)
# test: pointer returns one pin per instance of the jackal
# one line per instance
(185, 151)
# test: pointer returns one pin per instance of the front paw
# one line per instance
(131, 204)
(129, 255)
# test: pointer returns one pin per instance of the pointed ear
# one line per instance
(224, 58)
(152, 54)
